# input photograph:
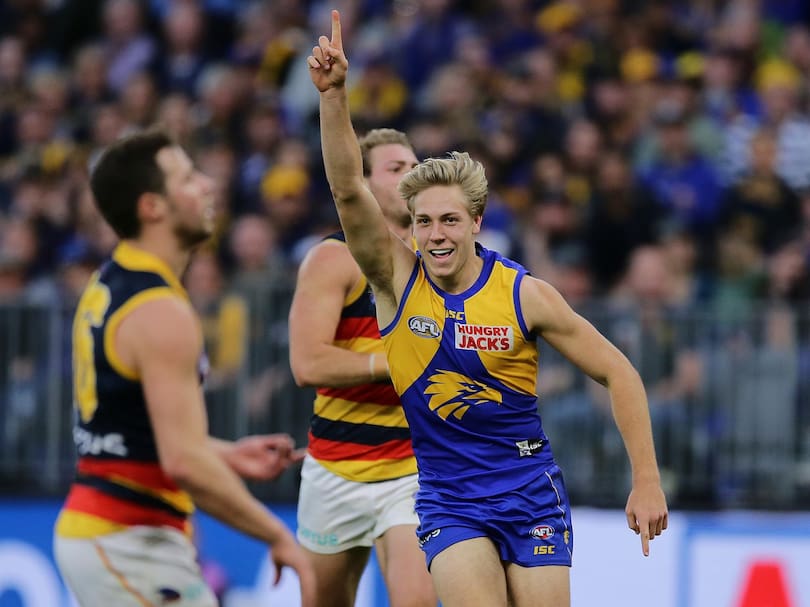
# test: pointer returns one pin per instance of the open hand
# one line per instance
(327, 63)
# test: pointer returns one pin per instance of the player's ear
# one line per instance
(151, 207)
(477, 219)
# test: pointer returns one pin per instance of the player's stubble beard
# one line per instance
(191, 236)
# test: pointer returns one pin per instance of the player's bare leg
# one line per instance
(470, 574)
(403, 567)
(338, 575)
(547, 586)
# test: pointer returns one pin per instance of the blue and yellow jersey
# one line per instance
(465, 367)
(360, 432)
(119, 480)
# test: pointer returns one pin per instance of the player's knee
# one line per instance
(414, 591)
(415, 599)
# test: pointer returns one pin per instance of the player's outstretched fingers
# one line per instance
(317, 52)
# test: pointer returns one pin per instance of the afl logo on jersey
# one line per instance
(423, 326)
(542, 532)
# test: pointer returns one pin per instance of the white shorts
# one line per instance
(335, 514)
(132, 568)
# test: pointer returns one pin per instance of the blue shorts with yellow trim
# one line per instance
(530, 526)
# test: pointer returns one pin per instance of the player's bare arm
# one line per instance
(548, 314)
(326, 277)
(261, 457)
(383, 258)
(162, 341)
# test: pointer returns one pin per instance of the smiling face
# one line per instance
(445, 235)
(189, 196)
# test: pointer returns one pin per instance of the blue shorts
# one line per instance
(530, 526)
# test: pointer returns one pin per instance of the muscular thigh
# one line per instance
(141, 566)
(546, 586)
(469, 573)
(404, 569)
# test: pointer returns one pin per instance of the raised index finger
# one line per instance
(337, 38)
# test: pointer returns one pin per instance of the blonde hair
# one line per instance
(377, 137)
(457, 169)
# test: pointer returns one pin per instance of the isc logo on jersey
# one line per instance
(484, 338)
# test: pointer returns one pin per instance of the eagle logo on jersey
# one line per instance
(453, 394)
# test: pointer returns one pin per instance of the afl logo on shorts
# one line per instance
(542, 532)
(423, 326)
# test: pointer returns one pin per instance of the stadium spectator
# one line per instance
(788, 278)
(286, 200)
(760, 206)
(429, 42)
(681, 88)
(683, 182)
(220, 102)
(223, 317)
(778, 86)
(379, 96)
(622, 216)
(182, 56)
(174, 114)
(646, 323)
(752, 365)
(581, 153)
(253, 247)
(264, 132)
(129, 47)
(510, 29)
(139, 101)
(260, 275)
(525, 114)
(739, 277)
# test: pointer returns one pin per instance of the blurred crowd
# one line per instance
(622, 138)
(647, 154)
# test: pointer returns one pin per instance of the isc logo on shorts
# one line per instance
(484, 338)
(423, 326)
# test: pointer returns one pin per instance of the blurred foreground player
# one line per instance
(146, 460)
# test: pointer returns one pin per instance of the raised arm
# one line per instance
(548, 314)
(382, 257)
